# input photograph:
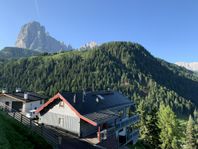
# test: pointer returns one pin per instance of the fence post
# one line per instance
(14, 115)
(59, 141)
(41, 129)
(30, 123)
(21, 118)
(3, 107)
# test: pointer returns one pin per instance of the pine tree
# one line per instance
(195, 114)
(152, 135)
(190, 134)
(168, 125)
(142, 124)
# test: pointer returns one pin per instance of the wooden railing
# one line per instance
(133, 136)
(51, 137)
(107, 132)
(129, 121)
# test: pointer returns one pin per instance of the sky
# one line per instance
(166, 28)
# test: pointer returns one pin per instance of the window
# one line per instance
(7, 103)
(60, 121)
(41, 102)
(61, 104)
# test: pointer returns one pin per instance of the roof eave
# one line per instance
(13, 97)
(58, 95)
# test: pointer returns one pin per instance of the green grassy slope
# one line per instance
(13, 135)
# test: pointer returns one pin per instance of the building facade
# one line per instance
(24, 102)
(107, 116)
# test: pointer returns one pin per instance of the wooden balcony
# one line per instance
(133, 136)
(126, 122)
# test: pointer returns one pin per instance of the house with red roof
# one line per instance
(107, 116)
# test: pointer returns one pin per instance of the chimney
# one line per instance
(18, 90)
(100, 97)
(74, 99)
(26, 95)
(97, 100)
(84, 94)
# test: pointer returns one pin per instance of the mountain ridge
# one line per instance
(34, 36)
(89, 45)
(188, 65)
(8, 53)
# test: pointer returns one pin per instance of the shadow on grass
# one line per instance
(14, 135)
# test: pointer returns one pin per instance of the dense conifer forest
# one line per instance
(157, 87)
(15, 53)
(123, 66)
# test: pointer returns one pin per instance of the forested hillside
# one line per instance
(123, 66)
(15, 53)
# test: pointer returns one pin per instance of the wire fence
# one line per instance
(49, 135)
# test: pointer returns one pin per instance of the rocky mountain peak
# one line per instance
(190, 66)
(34, 36)
(89, 45)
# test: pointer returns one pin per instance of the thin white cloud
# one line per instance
(37, 8)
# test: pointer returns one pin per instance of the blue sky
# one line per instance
(167, 28)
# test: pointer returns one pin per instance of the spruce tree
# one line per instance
(152, 135)
(168, 125)
(196, 125)
(190, 134)
(142, 124)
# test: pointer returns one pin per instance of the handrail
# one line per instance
(133, 136)
(127, 122)
(134, 133)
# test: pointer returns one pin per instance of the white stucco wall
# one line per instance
(27, 106)
(5, 99)
(31, 105)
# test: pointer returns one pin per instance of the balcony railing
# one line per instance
(133, 136)
(127, 122)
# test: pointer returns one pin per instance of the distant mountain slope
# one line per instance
(190, 66)
(15, 53)
(33, 36)
(123, 66)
